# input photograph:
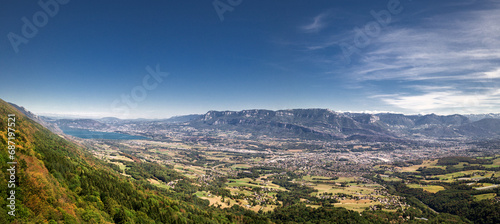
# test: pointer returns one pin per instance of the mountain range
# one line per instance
(315, 124)
(324, 123)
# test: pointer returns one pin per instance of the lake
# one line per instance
(86, 134)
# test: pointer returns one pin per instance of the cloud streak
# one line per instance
(446, 48)
(318, 23)
(456, 57)
(446, 102)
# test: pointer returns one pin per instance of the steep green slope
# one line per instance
(58, 182)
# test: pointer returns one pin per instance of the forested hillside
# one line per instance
(58, 182)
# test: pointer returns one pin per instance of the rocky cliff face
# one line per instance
(323, 123)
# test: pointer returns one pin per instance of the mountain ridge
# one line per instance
(316, 124)
(347, 125)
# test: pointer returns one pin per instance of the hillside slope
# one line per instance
(58, 182)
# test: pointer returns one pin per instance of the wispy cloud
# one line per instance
(318, 22)
(456, 55)
(455, 45)
(446, 102)
(444, 59)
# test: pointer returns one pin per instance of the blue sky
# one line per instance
(89, 58)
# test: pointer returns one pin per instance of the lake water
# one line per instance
(82, 133)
